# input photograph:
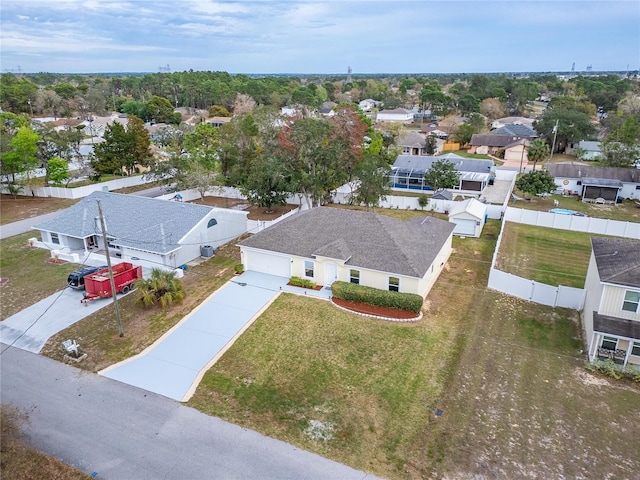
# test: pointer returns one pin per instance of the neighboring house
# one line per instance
(412, 143)
(368, 104)
(218, 121)
(326, 244)
(591, 151)
(611, 315)
(595, 184)
(327, 110)
(499, 139)
(435, 131)
(167, 233)
(408, 171)
(396, 115)
(469, 217)
(517, 150)
(501, 122)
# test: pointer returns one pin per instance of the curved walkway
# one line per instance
(175, 364)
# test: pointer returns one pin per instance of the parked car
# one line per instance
(76, 279)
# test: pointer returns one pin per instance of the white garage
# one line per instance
(271, 263)
(469, 217)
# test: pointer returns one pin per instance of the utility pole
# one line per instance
(553, 145)
(111, 280)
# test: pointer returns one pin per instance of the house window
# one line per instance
(394, 284)
(55, 239)
(635, 349)
(354, 276)
(212, 222)
(610, 343)
(631, 301)
(308, 268)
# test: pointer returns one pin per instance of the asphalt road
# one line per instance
(22, 226)
(121, 432)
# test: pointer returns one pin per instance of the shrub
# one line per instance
(301, 282)
(238, 268)
(613, 370)
(373, 296)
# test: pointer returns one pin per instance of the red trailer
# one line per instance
(97, 285)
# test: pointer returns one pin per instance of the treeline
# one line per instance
(66, 95)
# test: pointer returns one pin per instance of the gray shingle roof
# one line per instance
(422, 163)
(515, 130)
(479, 139)
(574, 170)
(617, 260)
(363, 239)
(138, 222)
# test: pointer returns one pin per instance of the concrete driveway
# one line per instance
(31, 328)
(174, 365)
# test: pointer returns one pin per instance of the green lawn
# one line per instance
(30, 276)
(546, 255)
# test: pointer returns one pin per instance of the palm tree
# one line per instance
(538, 151)
(162, 287)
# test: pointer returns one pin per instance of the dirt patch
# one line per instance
(15, 209)
(255, 213)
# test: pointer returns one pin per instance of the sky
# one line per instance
(306, 37)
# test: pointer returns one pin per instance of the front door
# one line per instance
(330, 273)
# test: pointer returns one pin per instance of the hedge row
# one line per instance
(373, 296)
(613, 370)
(301, 282)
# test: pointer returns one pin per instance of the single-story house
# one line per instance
(327, 110)
(434, 131)
(163, 232)
(326, 244)
(501, 122)
(589, 150)
(408, 171)
(499, 139)
(601, 184)
(412, 143)
(218, 121)
(395, 115)
(611, 314)
(368, 104)
(469, 217)
(517, 150)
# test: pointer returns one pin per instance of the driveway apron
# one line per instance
(172, 366)
(30, 328)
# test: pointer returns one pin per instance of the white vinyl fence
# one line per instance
(81, 192)
(572, 222)
(560, 296)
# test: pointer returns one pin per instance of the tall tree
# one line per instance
(442, 174)
(373, 177)
(20, 159)
(267, 184)
(621, 148)
(53, 143)
(538, 151)
(536, 182)
(123, 148)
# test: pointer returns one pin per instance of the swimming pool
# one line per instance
(566, 211)
(562, 211)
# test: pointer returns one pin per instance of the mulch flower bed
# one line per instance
(377, 311)
(316, 288)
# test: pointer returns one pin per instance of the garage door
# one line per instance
(465, 227)
(268, 263)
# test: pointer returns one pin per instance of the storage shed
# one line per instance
(469, 217)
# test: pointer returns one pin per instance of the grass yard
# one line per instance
(546, 255)
(29, 274)
(20, 208)
(626, 211)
